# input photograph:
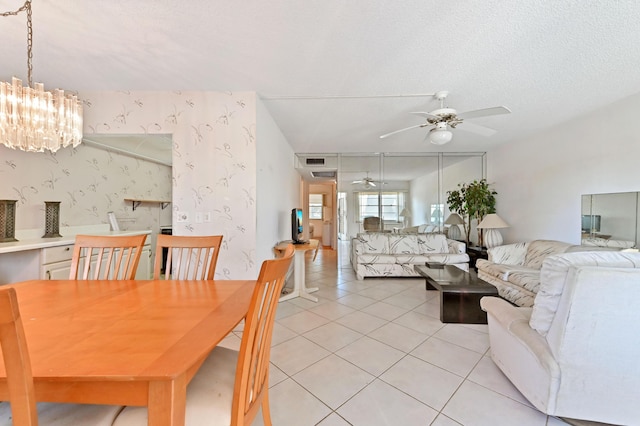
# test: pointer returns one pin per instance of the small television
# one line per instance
(590, 223)
(296, 226)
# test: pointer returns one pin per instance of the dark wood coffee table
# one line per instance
(460, 292)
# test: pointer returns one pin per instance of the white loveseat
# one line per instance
(515, 268)
(575, 353)
(378, 254)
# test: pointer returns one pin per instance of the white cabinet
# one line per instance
(55, 262)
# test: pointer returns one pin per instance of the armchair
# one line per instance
(371, 223)
(574, 354)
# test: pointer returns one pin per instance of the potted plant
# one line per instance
(472, 201)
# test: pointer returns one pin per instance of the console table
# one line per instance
(299, 287)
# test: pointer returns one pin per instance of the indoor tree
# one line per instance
(472, 201)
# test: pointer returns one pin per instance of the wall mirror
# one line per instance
(406, 190)
(610, 219)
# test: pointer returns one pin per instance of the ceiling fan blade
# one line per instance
(402, 130)
(372, 184)
(427, 115)
(484, 112)
(355, 182)
(476, 128)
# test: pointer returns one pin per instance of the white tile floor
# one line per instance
(374, 352)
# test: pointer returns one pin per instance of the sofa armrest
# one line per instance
(509, 254)
(456, 246)
(516, 321)
(355, 243)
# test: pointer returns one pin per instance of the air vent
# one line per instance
(314, 161)
(331, 174)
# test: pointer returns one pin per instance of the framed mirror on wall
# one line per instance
(610, 220)
(406, 190)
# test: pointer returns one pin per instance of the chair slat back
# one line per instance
(188, 257)
(252, 372)
(16, 361)
(106, 257)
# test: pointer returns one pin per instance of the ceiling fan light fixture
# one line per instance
(440, 135)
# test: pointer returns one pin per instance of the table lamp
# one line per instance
(454, 220)
(490, 224)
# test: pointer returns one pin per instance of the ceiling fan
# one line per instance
(366, 181)
(444, 118)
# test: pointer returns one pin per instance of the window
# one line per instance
(391, 206)
(315, 206)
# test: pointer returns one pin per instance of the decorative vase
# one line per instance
(51, 219)
(8, 220)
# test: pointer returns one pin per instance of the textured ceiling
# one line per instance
(548, 61)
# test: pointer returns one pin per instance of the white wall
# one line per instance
(277, 185)
(540, 180)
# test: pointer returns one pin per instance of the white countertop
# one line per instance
(31, 239)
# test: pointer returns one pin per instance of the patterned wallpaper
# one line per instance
(214, 160)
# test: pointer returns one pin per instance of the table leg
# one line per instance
(299, 279)
(167, 402)
(428, 286)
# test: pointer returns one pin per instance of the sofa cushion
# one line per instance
(500, 271)
(601, 242)
(509, 254)
(538, 250)
(409, 230)
(375, 242)
(432, 243)
(403, 244)
(526, 279)
(447, 258)
(426, 228)
(412, 259)
(555, 272)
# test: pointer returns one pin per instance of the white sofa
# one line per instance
(575, 353)
(515, 268)
(378, 254)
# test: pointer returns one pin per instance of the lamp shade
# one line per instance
(492, 221)
(405, 213)
(454, 219)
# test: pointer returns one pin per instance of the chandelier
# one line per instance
(32, 119)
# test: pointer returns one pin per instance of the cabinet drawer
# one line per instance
(56, 254)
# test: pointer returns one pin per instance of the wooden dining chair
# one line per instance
(188, 258)
(230, 387)
(110, 257)
(21, 409)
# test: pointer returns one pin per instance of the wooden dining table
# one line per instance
(125, 342)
